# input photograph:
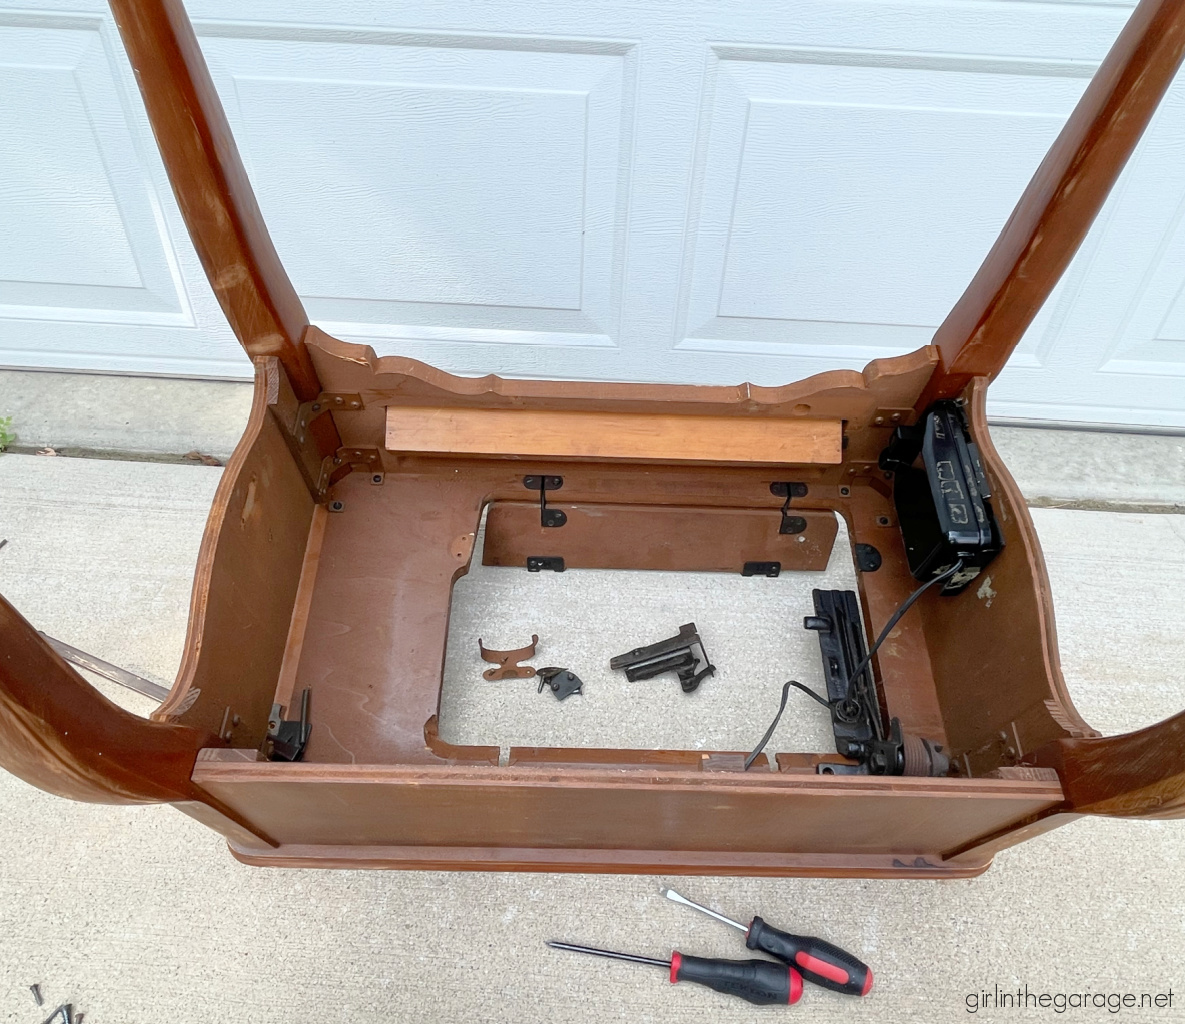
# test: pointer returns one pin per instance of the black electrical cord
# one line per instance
(893, 620)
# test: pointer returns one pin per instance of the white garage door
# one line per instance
(675, 190)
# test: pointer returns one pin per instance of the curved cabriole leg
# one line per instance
(60, 734)
(212, 188)
(1061, 202)
(1137, 775)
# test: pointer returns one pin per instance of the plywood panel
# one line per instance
(641, 809)
(652, 437)
(638, 537)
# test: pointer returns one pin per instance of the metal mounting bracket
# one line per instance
(789, 491)
(327, 401)
(543, 484)
(348, 460)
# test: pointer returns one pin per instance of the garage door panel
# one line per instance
(445, 187)
(80, 232)
(846, 205)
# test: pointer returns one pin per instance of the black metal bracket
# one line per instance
(868, 558)
(856, 718)
(537, 563)
(563, 682)
(543, 484)
(286, 738)
(677, 654)
(770, 569)
(789, 491)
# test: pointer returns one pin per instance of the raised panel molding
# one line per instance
(82, 235)
(843, 198)
(437, 187)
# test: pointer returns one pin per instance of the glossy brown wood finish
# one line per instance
(60, 734)
(581, 817)
(212, 188)
(245, 587)
(1061, 202)
(1137, 775)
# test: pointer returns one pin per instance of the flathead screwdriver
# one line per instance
(819, 961)
(758, 981)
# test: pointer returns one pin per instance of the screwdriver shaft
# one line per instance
(610, 954)
(670, 894)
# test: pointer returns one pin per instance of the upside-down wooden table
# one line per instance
(353, 605)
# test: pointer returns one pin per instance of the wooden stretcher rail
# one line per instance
(638, 437)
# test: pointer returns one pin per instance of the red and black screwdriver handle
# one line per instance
(820, 962)
(759, 981)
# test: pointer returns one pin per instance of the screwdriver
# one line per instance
(758, 981)
(819, 961)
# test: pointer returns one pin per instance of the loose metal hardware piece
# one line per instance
(674, 655)
(38, 998)
(507, 661)
(856, 716)
(286, 738)
(563, 682)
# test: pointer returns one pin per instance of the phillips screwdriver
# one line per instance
(758, 981)
(819, 961)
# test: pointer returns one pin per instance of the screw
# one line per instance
(38, 998)
(879, 420)
(801, 539)
(377, 478)
(844, 492)
(882, 520)
(336, 506)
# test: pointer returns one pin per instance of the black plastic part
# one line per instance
(770, 569)
(798, 950)
(841, 640)
(856, 718)
(677, 654)
(287, 739)
(788, 490)
(563, 682)
(868, 559)
(537, 563)
(943, 504)
(761, 982)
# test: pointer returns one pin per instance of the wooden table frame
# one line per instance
(352, 502)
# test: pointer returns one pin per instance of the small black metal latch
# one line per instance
(770, 569)
(537, 563)
(563, 682)
(286, 738)
(790, 524)
(868, 558)
(543, 484)
(676, 654)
